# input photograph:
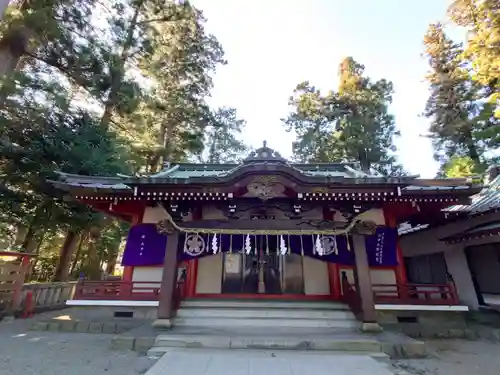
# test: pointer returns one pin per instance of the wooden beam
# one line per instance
(246, 224)
(168, 283)
(363, 281)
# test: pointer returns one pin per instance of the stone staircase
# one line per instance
(268, 325)
(260, 314)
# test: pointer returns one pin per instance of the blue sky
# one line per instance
(273, 45)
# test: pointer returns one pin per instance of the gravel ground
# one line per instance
(455, 357)
(24, 352)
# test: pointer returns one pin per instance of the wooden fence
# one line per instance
(11, 281)
(47, 296)
(16, 297)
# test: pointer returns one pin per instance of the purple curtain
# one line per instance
(146, 247)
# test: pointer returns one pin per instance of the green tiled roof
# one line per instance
(189, 170)
(262, 159)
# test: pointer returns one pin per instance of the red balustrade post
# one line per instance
(399, 271)
(190, 284)
(334, 278)
(453, 290)
(79, 289)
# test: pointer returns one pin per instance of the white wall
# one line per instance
(316, 280)
(456, 262)
(209, 279)
(210, 212)
(428, 241)
(152, 215)
(147, 274)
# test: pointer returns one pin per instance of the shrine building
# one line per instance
(266, 229)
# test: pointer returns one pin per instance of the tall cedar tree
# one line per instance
(145, 63)
(181, 59)
(221, 142)
(453, 102)
(482, 19)
(352, 124)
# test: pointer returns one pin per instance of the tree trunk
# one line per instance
(111, 261)
(93, 261)
(62, 269)
(28, 239)
(83, 238)
(119, 72)
(8, 61)
(29, 272)
(473, 152)
(13, 45)
(363, 160)
(21, 233)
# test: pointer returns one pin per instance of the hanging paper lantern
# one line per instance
(319, 247)
(283, 249)
(248, 245)
(215, 246)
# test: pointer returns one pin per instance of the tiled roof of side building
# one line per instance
(488, 199)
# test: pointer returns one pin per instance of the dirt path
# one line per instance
(24, 352)
(455, 357)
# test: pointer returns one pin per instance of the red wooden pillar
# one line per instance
(333, 268)
(334, 273)
(128, 271)
(191, 276)
(192, 265)
(401, 278)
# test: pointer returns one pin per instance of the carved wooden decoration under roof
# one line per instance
(265, 187)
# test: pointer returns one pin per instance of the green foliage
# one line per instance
(463, 100)
(221, 144)
(104, 87)
(458, 167)
(482, 19)
(351, 124)
(453, 99)
(179, 59)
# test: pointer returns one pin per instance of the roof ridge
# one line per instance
(165, 172)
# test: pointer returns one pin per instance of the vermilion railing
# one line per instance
(416, 294)
(118, 290)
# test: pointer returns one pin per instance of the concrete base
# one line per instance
(163, 323)
(371, 328)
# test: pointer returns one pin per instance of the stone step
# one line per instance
(333, 344)
(292, 305)
(249, 312)
(264, 322)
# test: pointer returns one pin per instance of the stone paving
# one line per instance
(261, 362)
